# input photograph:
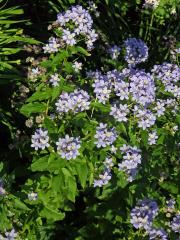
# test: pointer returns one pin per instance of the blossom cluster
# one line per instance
(76, 101)
(130, 162)
(169, 75)
(68, 147)
(151, 4)
(40, 139)
(120, 112)
(143, 214)
(52, 46)
(54, 80)
(136, 51)
(11, 235)
(105, 136)
(175, 224)
(114, 52)
(81, 21)
(142, 87)
(106, 176)
(157, 234)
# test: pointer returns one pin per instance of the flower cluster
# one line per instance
(106, 176)
(101, 86)
(2, 190)
(77, 66)
(105, 136)
(143, 214)
(160, 107)
(142, 87)
(151, 4)
(169, 75)
(76, 101)
(114, 52)
(54, 80)
(53, 46)
(136, 51)
(175, 224)
(82, 25)
(40, 139)
(120, 112)
(131, 160)
(145, 117)
(157, 234)
(32, 196)
(68, 147)
(9, 235)
(152, 137)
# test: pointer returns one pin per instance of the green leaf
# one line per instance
(19, 204)
(40, 164)
(82, 171)
(122, 179)
(70, 183)
(30, 108)
(50, 125)
(40, 95)
(51, 214)
(77, 49)
(101, 107)
(170, 187)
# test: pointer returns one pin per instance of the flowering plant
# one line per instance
(106, 135)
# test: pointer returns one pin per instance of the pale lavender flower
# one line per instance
(106, 176)
(113, 149)
(151, 4)
(122, 90)
(68, 147)
(75, 102)
(32, 196)
(11, 235)
(136, 51)
(120, 112)
(143, 214)
(108, 163)
(142, 87)
(157, 234)
(2, 190)
(169, 75)
(54, 79)
(77, 66)
(114, 52)
(160, 107)
(175, 224)
(68, 37)
(53, 46)
(103, 179)
(152, 137)
(130, 162)
(145, 117)
(101, 87)
(40, 139)
(171, 203)
(81, 25)
(105, 136)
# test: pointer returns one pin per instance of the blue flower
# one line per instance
(143, 214)
(136, 51)
(175, 224)
(68, 147)
(40, 139)
(105, 136)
